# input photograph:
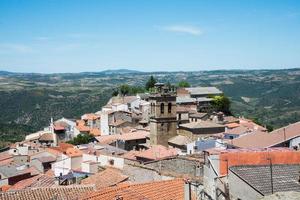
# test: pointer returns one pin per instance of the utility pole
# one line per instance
(271, 173)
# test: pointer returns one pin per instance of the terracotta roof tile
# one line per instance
(62, 147)
(36, 181)
(108, 177)
(95, 132)
(157, 152)
(90, 116)
(259, 139)
(159, 190)
(47, 137)
(60, 193)
(73, 152)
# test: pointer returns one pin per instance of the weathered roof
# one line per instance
(108, 177)
(203, 90)
(180, 140)
(238, 130)
(157, 152)
(185, 99)
(95, 132)
(47, 159)
(98, 149)
(90, 116)
(285, 177)
(136, 135)
(47, 137)
(260, 139)
(62, 147)
(5, 158)
(204, 99)
(282, 195)
(198, 115)
(73, 152)
(59, 193)
(34, 182)
(201, 124)
(11, 171)
(170, 189)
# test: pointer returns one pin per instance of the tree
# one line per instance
(124, 89)
(115, 92)
(81, 139)
(150, 83)
(221, 103)
(184, 84)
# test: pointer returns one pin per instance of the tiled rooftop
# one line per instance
(34, 182)
(261, 139)
(108, 177)
(157, 152)
(285, 177)
(200, 124)
(159, 190)
(58, 193)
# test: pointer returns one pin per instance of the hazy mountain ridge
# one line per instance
(29, 100)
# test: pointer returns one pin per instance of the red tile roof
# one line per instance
(60, 192)
(47, 137)
(260, 139)
(232, 125)
(238, 130)
(62, 147)
(108, 177)
(136, 135)
(73, 152)
(90, 116)
(58, 128)
(159, 190)
(5, 158)
(240, 157)
(95, 132)
(157, 152)
(36, 181)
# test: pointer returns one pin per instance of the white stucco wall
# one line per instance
(104, 123)
(295, 142)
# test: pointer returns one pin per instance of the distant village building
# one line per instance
(201, 96)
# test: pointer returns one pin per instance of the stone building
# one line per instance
(163, 121)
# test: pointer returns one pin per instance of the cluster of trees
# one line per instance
(81, 139)
(126, 89)
(221, 103)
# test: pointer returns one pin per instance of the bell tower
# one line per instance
(163, 121)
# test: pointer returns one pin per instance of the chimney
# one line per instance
(187, 190)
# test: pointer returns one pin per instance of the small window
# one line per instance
(162, 107)
(169, 107)
(111, 162)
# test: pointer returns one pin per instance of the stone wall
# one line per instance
(179, 165)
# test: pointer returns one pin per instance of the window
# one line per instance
(111, 162)
(162, 107)
(169, 107)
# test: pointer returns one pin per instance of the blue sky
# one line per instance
(94, 35)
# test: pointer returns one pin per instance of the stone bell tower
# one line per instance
(163, 122)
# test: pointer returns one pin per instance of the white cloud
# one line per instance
(42, 38)
(15, 48)
(192, 30)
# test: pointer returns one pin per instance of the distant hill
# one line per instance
(120, 71)
(28, 101)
